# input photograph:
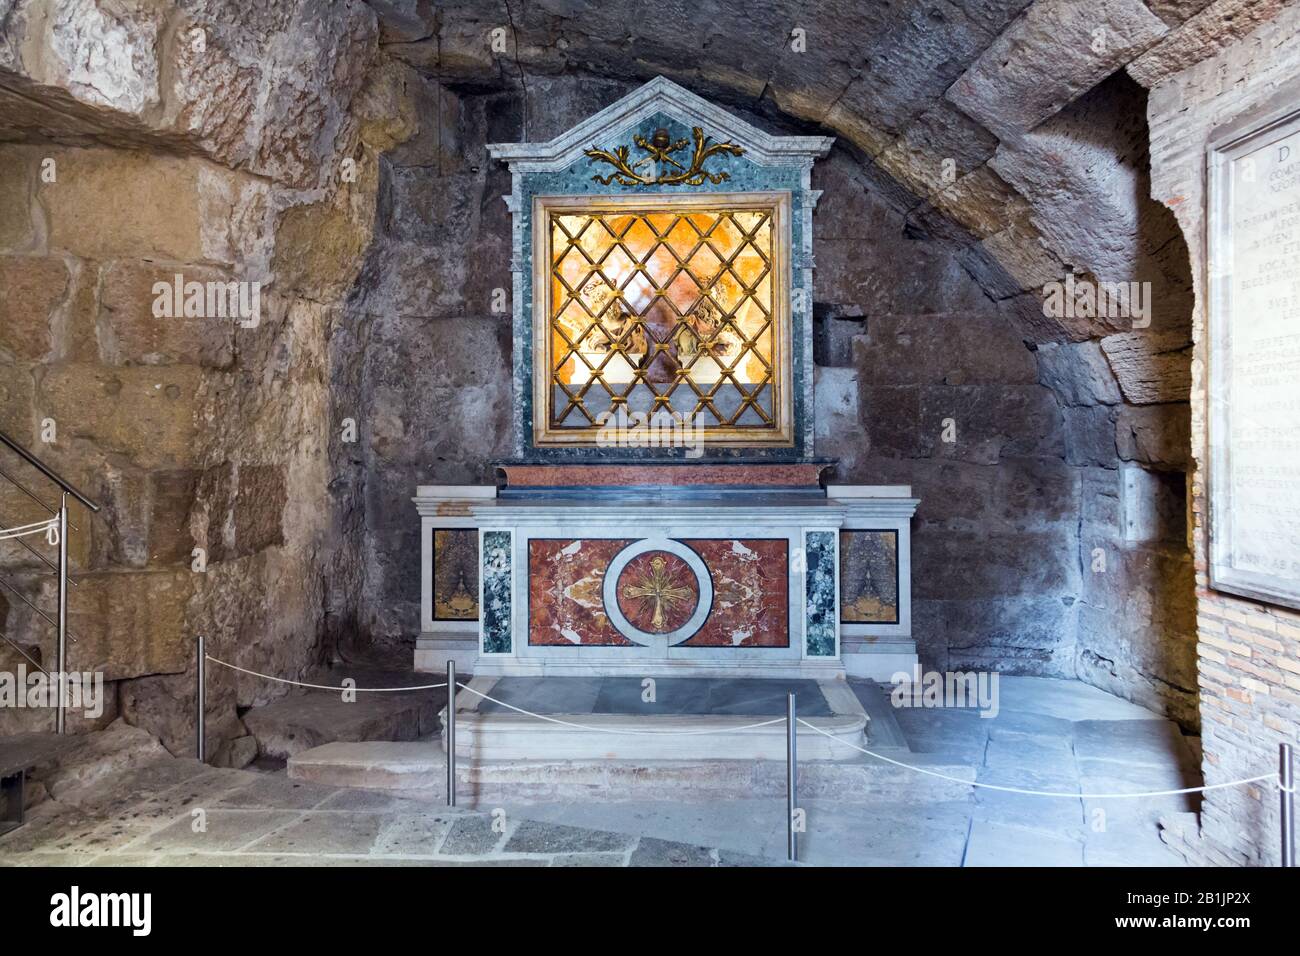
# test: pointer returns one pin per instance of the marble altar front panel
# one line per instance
(741, 600)
(751, 595)
(496, 590)
(738, 582)
(821, 594)
(566, 601)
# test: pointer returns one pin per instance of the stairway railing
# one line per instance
(60, 524)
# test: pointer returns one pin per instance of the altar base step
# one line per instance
(664, 718)
(419, 769)
(560, 764)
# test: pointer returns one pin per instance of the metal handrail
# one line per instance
(60, 624)
(46, 470)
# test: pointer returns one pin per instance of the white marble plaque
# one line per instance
(1254, 363)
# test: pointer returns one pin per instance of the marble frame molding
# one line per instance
(778, 203)
(1243, 137)
(440, 641)
(560, 168)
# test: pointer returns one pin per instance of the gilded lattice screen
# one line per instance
(673, 308)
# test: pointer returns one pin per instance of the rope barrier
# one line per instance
(765, 723)
(36, 527)
(1040, 793)
(611, 730)
(333, 687)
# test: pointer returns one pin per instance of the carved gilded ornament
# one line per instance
(661, 168)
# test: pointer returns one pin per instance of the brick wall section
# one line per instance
(1249, 653)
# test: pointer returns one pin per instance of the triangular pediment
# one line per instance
(660, 96)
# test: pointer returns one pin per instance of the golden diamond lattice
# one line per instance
(664, 311)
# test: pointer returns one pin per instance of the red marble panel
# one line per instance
(566, 607)
(657, 592)
(774, 474)
(751, 593)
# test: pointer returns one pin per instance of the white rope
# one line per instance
(765, 723)
(621, 733)
(38, 527)
(333, 687)
(1039, 793)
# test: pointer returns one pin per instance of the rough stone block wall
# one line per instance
(1022, 561)
(1248, 670)
(210, 148)
(927, 304)
(906, 336)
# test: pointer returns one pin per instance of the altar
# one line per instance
(663, 512)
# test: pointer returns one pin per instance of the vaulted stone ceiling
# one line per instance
(995, 92)
(975, 118)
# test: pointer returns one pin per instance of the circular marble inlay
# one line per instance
(678, 590)
(657, 592)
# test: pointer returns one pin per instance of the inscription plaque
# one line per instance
(1254, 362)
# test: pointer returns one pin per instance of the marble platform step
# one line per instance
(421, 767)
(569, 718)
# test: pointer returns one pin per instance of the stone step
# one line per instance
(305, 719)
(885, 735)
(716, 720)
(421, 766)
(373, 764)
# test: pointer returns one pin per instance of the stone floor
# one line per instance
(169, 812)
(1060, 736)
(1054, 735)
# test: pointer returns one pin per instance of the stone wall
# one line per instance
(210, 145)
(989, 175)
(1022, 561)
(906, 335)
(335, 152)
(1248, 668)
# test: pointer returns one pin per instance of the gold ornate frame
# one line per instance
(777, 204)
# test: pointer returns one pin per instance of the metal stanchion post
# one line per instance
(60, 717)
(200, 704)
(451, 733)
(791, 760)
(1286, 786)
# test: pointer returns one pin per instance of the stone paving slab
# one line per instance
(1030, 753)
(1067, 699)
(336, 832)
(1153, 743)
(419, 834)
(958, 734)
(1053, 814)
(222, 830)
(472, 836)
(1002, 844)
(531, 836)
(276, 792)
(1124, 845)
